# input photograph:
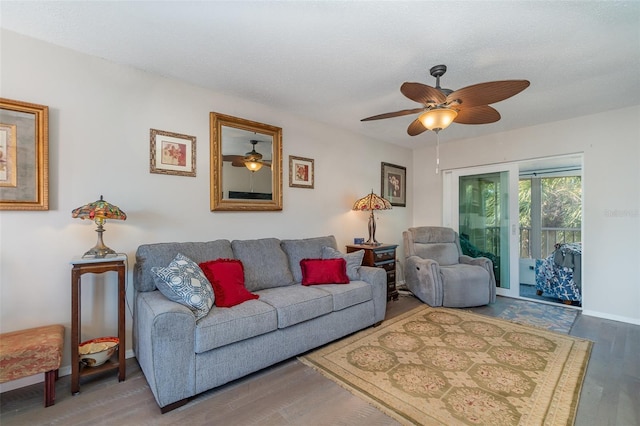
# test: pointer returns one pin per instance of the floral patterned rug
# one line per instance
(438, 366)
(554, 318)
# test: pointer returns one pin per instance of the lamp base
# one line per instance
(99, 250)
(372, 231)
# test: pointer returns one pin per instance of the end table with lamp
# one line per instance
(97, 260)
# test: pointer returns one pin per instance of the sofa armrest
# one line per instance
(377, 277)
(422, 278)
(164, 344)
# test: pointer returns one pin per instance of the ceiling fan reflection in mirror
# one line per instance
(252, 160)
(441, 107)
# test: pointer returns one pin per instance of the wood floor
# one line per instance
(290, 393)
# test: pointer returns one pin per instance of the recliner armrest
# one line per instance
(422, 277)
(484, 263)
(478, 261)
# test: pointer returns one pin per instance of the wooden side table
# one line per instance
(83, 266)
(381, 256)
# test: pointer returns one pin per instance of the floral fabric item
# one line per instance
(557, 278)
(27, 352)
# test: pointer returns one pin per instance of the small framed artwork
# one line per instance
(394, 184)
(300, 172)
(172, 153)
(24, 156)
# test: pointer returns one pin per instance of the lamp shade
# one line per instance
(438, 118)
(99, 211)
(372, 202)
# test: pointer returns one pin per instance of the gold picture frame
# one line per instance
(172, 153)
(301, 173)
(24, 155)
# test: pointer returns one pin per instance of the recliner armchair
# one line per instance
(437, 272)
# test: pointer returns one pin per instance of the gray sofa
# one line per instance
(181, 357)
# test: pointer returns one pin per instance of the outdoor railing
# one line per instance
(549, 238)
(489, 240)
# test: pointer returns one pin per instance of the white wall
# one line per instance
(100, 114)
(610, 142)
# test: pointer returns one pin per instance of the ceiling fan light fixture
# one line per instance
(438, 118)
(253, 165)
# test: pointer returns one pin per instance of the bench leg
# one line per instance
(50, 378)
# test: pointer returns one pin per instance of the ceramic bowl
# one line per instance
(96, 352)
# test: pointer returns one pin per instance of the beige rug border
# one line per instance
(574, 369)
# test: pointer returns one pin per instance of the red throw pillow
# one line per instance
(324, 271)
(227, 279)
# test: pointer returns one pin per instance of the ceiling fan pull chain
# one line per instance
(437, 151)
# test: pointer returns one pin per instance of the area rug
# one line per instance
(554, 318)
(438, 366)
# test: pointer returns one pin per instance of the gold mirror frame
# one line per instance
(218, 203)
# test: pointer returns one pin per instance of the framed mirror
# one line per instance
(246, 164)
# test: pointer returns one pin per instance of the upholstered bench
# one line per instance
(27, 352)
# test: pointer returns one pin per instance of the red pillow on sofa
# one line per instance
(227, 279)
(324, 271)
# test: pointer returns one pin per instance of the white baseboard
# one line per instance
(618, 318)
(39, 378)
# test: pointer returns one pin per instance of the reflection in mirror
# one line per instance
(246, 164)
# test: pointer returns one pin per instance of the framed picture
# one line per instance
(394, 184)
(300, 172)
(24, 156)
(172, 153)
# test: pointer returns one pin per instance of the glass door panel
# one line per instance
(483, 207)
(483, 220)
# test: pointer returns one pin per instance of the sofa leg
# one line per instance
(174, 405)
(377, 324)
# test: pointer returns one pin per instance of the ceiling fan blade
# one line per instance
(416, 127)
(422, 93)
(394, 114)
(487, 93)
(232, 157)
(482, 114)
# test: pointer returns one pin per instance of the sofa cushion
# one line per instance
(184, 282)
(345, 295)
(305, 248)
(324, 271)
(160, 254)
(265, 264)
(227, 279)
(228, 325)
(296, 303)
(353, 259)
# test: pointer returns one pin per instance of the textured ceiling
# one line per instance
(340, 61)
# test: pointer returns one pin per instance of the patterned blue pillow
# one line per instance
(354, 260)
(184, 282)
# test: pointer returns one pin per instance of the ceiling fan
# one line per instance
(252, 160)
(440, 106)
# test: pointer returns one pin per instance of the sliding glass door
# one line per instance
(481, 203)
